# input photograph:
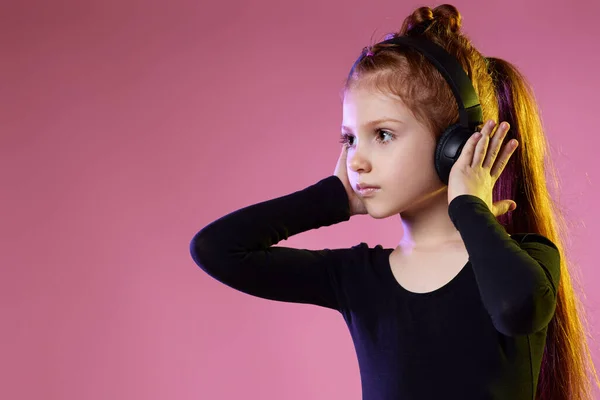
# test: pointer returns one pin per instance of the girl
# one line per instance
(476, 300)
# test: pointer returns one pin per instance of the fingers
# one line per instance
(482, 144)
(495, 145)
(466, 154)
(340, 166)
(507, 152)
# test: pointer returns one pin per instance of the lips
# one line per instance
(365, 189)
(364, 186)
(366, 192)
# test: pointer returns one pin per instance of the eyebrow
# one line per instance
(374, 122)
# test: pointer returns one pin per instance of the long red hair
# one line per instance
(567, 371)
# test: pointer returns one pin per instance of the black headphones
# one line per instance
(454, 137)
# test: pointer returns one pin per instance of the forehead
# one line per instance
(365, 102)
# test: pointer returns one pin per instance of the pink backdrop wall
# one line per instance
(127, 126)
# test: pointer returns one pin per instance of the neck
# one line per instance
(427, 225)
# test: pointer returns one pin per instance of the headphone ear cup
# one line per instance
(448, 149)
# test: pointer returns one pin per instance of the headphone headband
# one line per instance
(469, 109)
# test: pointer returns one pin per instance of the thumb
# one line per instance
(504, 206)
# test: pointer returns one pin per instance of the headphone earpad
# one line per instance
(448, 149)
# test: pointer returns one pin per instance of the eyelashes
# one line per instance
(345, 137)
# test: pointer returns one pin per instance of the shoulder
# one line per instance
(528, 239)
(354, 254)
(363, 253)
(358, 258)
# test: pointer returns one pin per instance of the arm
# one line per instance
(238, 251)
(518, 282)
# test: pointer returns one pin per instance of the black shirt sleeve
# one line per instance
(238, 249)
(517, 279)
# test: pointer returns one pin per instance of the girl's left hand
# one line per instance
(476, 170)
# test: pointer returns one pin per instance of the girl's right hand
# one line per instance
(356, 204)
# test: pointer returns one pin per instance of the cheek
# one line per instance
(412, 167)
(415, 156)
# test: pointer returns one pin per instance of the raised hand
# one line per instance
(356, 204)
(479, 166)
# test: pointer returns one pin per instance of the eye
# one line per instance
(345, 138)
(386, 133)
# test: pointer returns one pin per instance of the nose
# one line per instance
(357, 161)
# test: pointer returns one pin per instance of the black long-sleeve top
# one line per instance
(480, 336)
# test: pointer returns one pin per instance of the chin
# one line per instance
(379, 213)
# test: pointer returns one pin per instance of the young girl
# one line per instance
(476, 300)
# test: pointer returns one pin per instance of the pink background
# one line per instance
(127, 126)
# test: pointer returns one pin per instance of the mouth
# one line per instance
(368, 191)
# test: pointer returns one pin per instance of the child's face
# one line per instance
(396, 156)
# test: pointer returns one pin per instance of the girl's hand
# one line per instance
(356, 204)
(477, 169)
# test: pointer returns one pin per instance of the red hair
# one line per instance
(567, 370)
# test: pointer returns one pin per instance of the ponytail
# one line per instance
(567, 371)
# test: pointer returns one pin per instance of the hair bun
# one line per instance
(446, 17)
(421, 17)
